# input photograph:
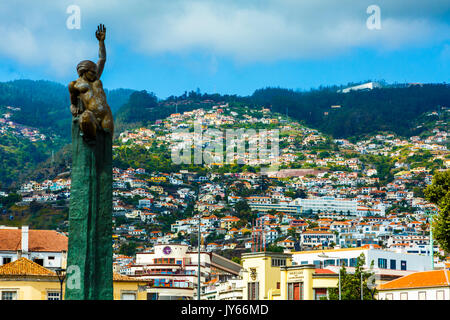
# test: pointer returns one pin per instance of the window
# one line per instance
(304, 262)
(278, 262)
(253, 291)
(393, 265)
(329, 262)
(53, 295)
(128, 296)
(152, 296)
(353, 262)
(404, 296)
(278, 285)
(382, 263)
(9, 295)
(440, 295)
(343, 262)
(403, 265)
(389, 296)
(6, 260)
(39, 261)
(422, 295)
(320, 293)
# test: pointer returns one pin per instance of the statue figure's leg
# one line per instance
(88, 125)
(108, 124)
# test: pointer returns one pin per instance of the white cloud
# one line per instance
(246, 31)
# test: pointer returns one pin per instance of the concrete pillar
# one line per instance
(25, 241)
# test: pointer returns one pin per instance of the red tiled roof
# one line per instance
(25, 267)
(323, 271)
(435, 278)
(38, 240)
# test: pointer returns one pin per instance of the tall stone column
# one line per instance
(89, 261)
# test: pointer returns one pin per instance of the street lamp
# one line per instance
(430, 215)
(323, 255)
(198, 271)
(61, 273)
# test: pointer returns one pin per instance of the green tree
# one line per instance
(439, 193)
(128, 249)
(274, 248)
(351, 283)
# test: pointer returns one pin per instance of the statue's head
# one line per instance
(88, 69)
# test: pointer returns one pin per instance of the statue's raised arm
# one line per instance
(100, 34)
(87, 97)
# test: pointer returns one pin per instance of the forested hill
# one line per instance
(357, 112)
(45, 104)
(391, 108)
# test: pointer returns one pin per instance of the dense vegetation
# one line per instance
(361, 112)
(45, 104)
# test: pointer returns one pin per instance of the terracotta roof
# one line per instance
(323, 271)
(120, 277)
(435, 278)
(24, 267)
(38, 240)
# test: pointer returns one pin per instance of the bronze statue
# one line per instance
(89, 260)
(93, 111)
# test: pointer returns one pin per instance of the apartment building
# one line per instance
(47, 248)
(171, 270)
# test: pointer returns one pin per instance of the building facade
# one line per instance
(47, 248)
(427, 285)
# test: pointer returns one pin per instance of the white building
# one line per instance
(172, 270)
(364, 86)
(383, 260)
(327, 204)
(428, 285)
(47, 248)
(230, 289)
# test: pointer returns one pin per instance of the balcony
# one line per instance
(160, 272)
(171, 284)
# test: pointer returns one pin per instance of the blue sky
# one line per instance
(232, 46)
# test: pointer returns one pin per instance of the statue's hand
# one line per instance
(100, 34)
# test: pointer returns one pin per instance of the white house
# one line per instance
(427, 285)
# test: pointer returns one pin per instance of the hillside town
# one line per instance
(339, 196)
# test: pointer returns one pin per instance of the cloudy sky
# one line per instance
(232, 46)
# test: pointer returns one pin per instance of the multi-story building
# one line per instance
(312, 238)
(328, 204)
(171, 270)
(47, 248)
(272, 276)
(387, 264)
(230, 289)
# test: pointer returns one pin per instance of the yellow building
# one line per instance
(158, 179)
(24, 279)
(306, 282)
(262, 274)
(271, 276)
(127, 288)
